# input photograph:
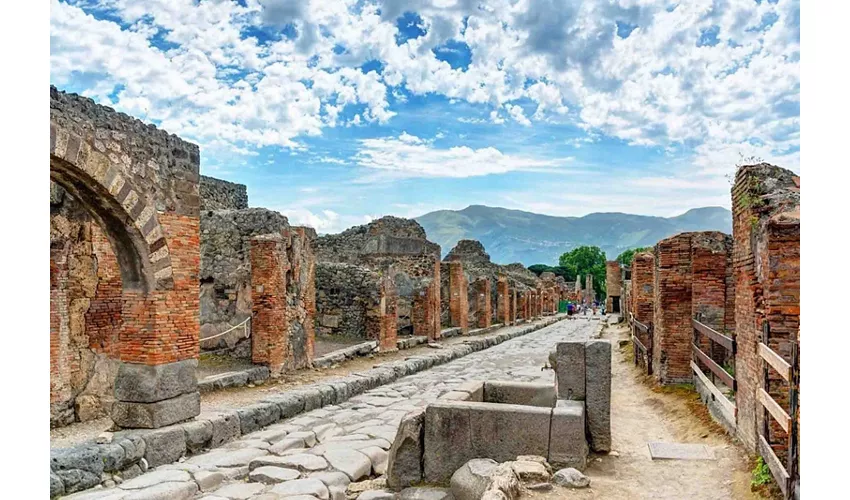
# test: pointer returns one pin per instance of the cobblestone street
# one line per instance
(320, 452)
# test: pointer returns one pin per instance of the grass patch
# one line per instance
(762, 480)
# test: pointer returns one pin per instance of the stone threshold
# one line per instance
(132, 452)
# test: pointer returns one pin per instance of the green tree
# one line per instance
(585, 260)
(626, 257)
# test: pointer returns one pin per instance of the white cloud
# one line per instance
(410, 156)
(189, 66)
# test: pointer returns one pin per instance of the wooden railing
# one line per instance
(787, 475)
(642, 351)
(716, 371)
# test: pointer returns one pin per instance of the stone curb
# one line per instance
(132, 452)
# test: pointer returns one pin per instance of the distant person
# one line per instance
(569, 309)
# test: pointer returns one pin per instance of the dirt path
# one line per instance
(640, 414)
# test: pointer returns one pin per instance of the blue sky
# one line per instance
(338, 112)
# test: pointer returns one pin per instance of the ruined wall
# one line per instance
(85, 314)
(346, 294)
(140, 185)
(766, 262)
(218, 194)
(482, 314)
(225, 279)
(397, 248)
(613, 275)
(283, 300)
(691, 278)
(643, 287)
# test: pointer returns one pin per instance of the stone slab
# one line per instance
(598, 394)
(448, 440)
(504, 431)
(679, 451)
(137, 383)
(568, 361)
(567, 440)
(132, 415)
(519, 393)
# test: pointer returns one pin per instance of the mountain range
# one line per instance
(530, 238)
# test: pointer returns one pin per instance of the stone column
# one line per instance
(458, 297)
(503, 306)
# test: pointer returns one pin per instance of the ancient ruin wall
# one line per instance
(643, 287)
(140, 185)
(766, 262)
(225, 279)
(218, 194)
(482, 315)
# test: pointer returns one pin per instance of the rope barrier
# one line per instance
(242, 324)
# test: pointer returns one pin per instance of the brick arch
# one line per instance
(129, 221)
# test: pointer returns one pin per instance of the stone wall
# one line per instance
(218, 194)
(766, 263)
(397, 248)
(225, 279)
(140, 185)
(85, 314)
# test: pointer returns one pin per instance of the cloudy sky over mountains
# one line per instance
(334, 112)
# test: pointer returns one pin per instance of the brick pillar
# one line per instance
(269, 325)
(513, 305)
(503, 301)
(673, 331)
(643, 287)
(766, 269)
(426, 310)
(613, 274)
(458, 297)
(387, 321)
(483, 309)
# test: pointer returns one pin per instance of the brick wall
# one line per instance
(268, 283)
(672, 326)
(765, 206)
(643, 287)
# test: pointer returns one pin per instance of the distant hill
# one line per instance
(517, 236)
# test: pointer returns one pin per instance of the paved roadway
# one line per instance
(305, 454)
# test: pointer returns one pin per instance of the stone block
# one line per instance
(598, 397)
(158, 414)
(225, 427)
(567, 440)
(254, 417)
(289, 403)
(406, 454)
(448, 440)
(568, 361)
(137, 383)
(519, 393)
(164, 446)
(198, 435)
(475, 390)
(503, 431)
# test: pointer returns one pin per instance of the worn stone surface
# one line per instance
(239, 491)
(406, 453)
(353, 463)
(519, 393)
(425, 493)
(271, 475)
(308, 486)
(567, 440)
(568, 361)
(472, 479)
(157, 414)
(598, 398)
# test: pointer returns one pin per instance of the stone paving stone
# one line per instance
(378, 457)
(227, 458)
(518, 359)
(165, 491)
(334, 479)
(307, 486)
(155, 477)
(269, 474)
(304, 462)
(286, 444)
(208, 480)
(240, 491)
(352, 462)
(309, 437)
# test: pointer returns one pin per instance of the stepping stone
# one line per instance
(308, 486)
(165, 491)
(679, 451)
(240, 491)
(287, 443)
(333, 479)
(309, 437)
(227, 458)
(352, 462)
(304, 462)
(269, 474)
(378, 457)
(155, 477)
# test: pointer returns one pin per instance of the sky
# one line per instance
(338, 112)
